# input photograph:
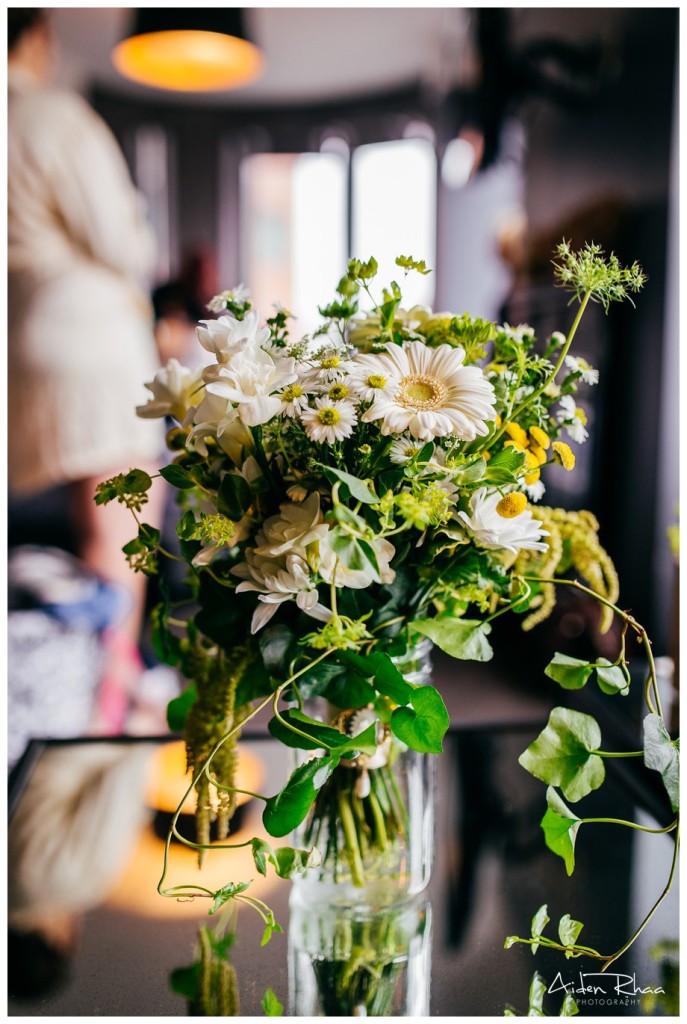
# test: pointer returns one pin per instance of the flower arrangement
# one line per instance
(345, 497)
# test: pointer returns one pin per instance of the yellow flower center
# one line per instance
(330, 364)
(511, 505)
(329, 417)
(421, 392)
(337, 392)
(582, 416)
(291, 392)
(375, 380)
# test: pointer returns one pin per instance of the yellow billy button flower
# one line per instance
(532, 467)
(515, 444)
(511, 505)
(562, 453)
(539, 453)
(540, 437)
(516, 433)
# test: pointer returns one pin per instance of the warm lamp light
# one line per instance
(188, 50)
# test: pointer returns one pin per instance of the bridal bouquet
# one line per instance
(346, 497)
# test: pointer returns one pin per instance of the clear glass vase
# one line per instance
(345, 963)
(373, 820)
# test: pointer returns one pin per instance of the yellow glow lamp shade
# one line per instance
(188, 50)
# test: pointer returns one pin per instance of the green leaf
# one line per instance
(569, 930)
(560, 826)
(424, 725)
(612, 678)
(184, 981)
(226, 893)
(179, 707)
(177, 477)
(137, 481)
(234, 496)
(539, 923)
(287, 809)
(271, 927)
(347, 690)
(661, 755)
(286, 860)
(387, 678)
(271, 1005)
(536, 995)
(351, 553)
(564, 755)
(353, 486)
(503, 467)
(461, 638)
(319, 735)
(570, 673)
(569, 1007)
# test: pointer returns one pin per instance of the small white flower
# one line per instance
(404, 448)
(174, 388)
(573, 418)
(248, 380)
(328, 367)
(535, 491)
(435, 395)
(276, 581)
(329, 421)
(490, 530)
(576, 365)
(218, 303)
(226, 336)
(520, 334)
(367, 382)
(294, 399)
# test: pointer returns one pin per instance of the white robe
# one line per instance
(81, 342)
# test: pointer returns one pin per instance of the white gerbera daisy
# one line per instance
(576, 365)
(329, 421)
(435, 394)
(491, 530)
(174, 388)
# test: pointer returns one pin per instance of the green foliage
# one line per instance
(271, 1005)
(573, 674)
(226, 893)
(560, 826)
(294, 729)
(286, 860)
(129, 489)
(539, 923)
(662, 755)
(234, 497)
(424, 725)
(179, 707)
(590, 272)
(289, 807)
(461, 638)
(564, 754)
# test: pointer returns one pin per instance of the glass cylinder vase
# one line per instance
(373, 820)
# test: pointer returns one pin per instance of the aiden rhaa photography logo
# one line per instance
(597, 989)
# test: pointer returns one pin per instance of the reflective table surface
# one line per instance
(86, 846)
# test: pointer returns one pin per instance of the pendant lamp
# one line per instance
(188, 49)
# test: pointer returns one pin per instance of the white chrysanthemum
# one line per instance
(226, 336)
(174, 389)
(238, 295)
(573, 419)
(216, 417)
(328, 367)
(435, 394)
(333, 571)
(576, 365)
(294, 399)
(276, 581)
(248, 380)
(404, 449)
(329, 421)
(490, 530)
(367, 382)
(296, 526)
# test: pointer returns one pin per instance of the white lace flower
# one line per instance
(573, 419)
(276, 581)
(248, 380)
(226, 336)
(435, 394)
(490, 530)
(577, 365)
(333, 571)
(329, 421)
(295, 527)
(174, 389)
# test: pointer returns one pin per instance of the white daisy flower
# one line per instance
(248, 380)
(366, 380)
(239, 295)
(573, 419)
(576, 365)
(404, 449)
(329, 421)
(520, 334)
(436, 395)
(535, 491)
(276, 581)
(328, 367)
(294, 399)
(174, 389)
(491, 530)
(226, 336)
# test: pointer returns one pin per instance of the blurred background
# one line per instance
(473, 138)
